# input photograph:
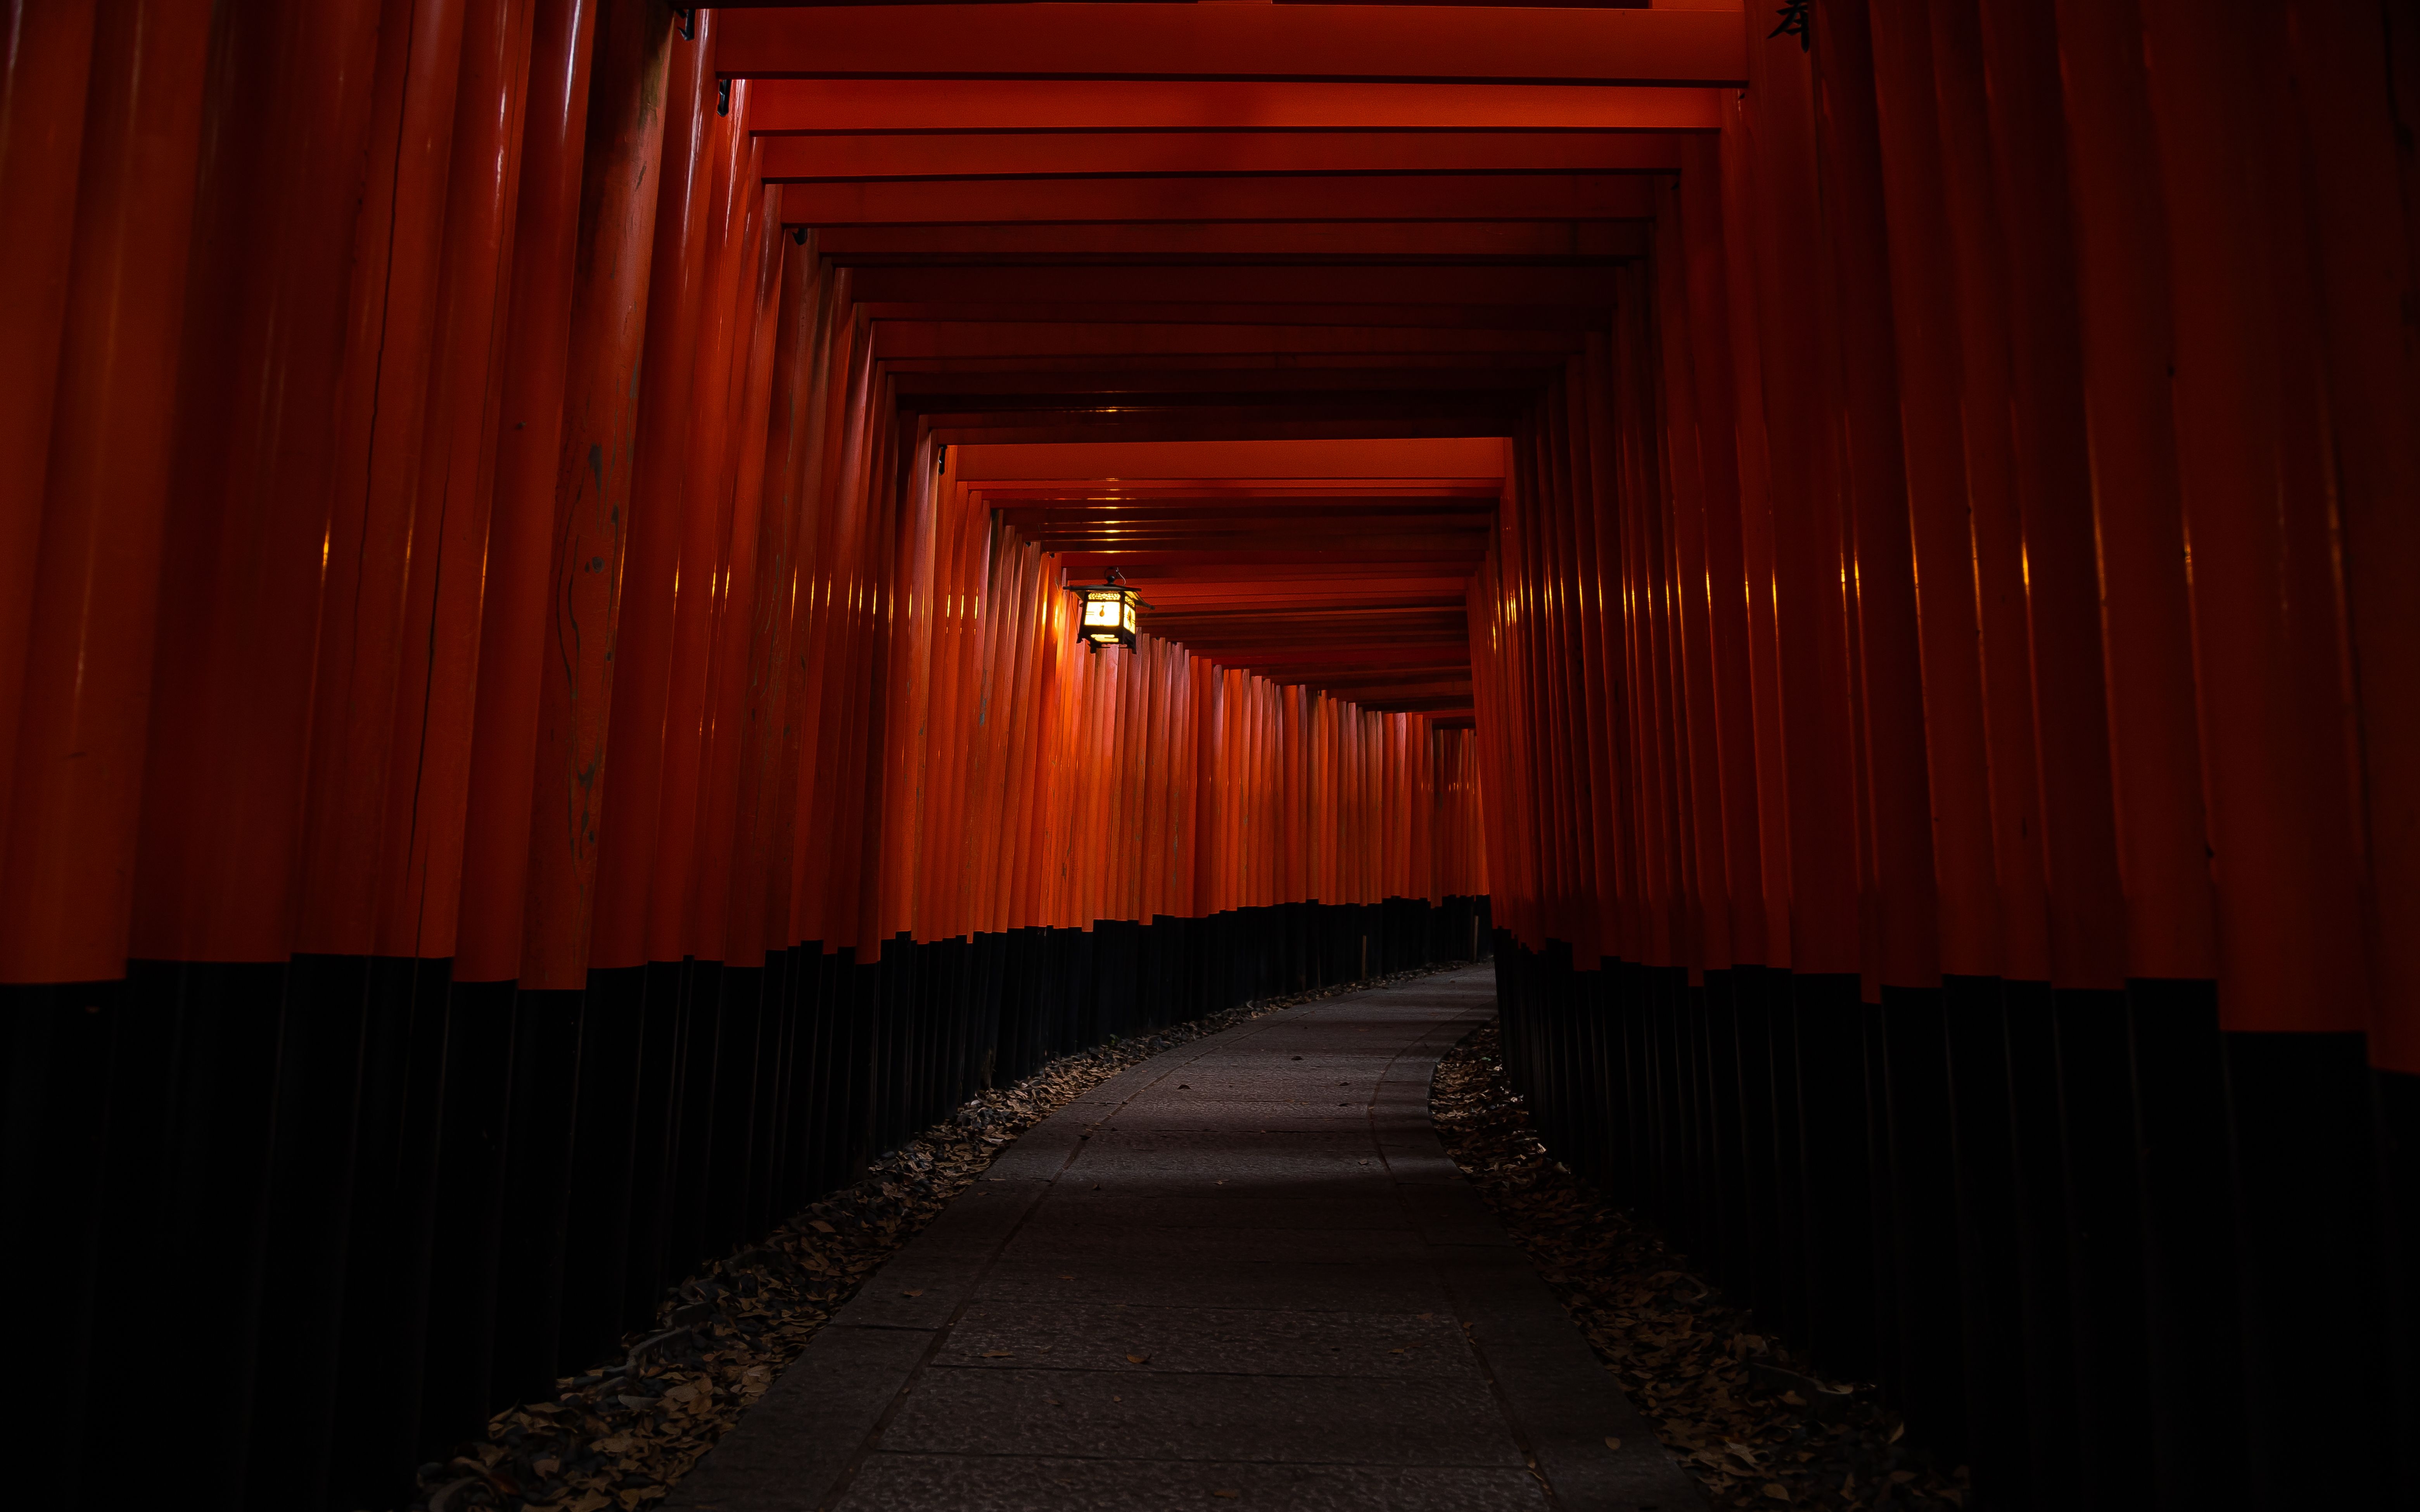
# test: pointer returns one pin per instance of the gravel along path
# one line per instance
(619, 1436)
(1244, 1273)
(1739, 1408)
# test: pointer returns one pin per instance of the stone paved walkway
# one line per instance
(1242, 1273)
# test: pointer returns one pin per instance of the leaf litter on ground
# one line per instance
(1716, 1386)
(618, 1436)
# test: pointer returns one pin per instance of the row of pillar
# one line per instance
(1950, 758)
(521, 766)
(477, 422)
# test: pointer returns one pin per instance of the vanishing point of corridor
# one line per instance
(696, 701)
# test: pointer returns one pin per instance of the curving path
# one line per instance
(1242, 1273)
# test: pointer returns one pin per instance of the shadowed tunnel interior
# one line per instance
(1854, 548)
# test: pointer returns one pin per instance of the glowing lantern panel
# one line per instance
(1109, 615)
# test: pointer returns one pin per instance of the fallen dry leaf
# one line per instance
(762, 1304)
(1702, 1371)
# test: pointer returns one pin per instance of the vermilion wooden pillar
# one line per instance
(2087, 942)
(1890, 674)
(2268, 626)
(725, 335)
(1741, 310)
(1692, 604)
(1930, 369)
(379, 423)
(2363, 248)
(1729, 592)
(1569, 615)
(531, 362)
(43, 84)
(1979, 269)
(617, 209)
(662, 502)
(2122, 260)
(191, 442)
(1526, 791)
(2258, 473)
(1808, 572)
(841, 593)
(1011, 602)
(422, 859)
(869, 681)
(889, 540)
(2122, 245)
(813, 436)
(1992, 1030)
(1658, 780)
(767, 786)
(738, 650)
(2069, 1052)
(67, 891)
(1596, 542)
(834, 596)
(904, 698)
(248, 522)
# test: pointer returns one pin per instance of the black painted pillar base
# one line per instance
(2106, 1255)
(376, 1205)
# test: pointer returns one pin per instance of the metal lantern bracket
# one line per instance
(1131, 597)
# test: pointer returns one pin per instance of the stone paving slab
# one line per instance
(1051, 1237)
(1279, 1284)
(1228, 1340)
(1222, 1210)
(916, 1483)
(1148, 1415)
(1241, 1273)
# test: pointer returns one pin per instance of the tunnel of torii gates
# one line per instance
(1859, 550)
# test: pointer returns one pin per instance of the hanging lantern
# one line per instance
(1109, 611)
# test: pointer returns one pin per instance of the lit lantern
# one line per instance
(1109, 618)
